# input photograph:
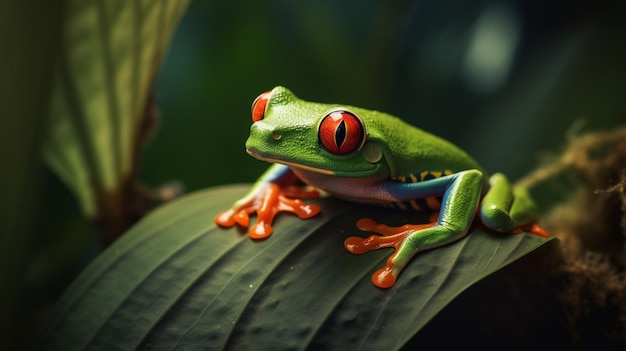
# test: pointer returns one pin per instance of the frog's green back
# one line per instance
(412, 150)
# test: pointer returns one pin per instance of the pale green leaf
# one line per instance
(110, 54)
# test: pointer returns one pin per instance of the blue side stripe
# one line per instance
(404, 192)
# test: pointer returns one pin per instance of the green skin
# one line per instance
(386, 167)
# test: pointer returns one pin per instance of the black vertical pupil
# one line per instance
(340, 134)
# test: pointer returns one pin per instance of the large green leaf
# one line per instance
(110, 54)
(175, 280)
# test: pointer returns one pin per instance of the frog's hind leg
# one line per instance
(461, 196)
(509, 209)
(390, 236)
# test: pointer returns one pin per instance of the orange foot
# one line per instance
(267, 204)
(532, 228)
(390, 237)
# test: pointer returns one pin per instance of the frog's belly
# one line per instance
(363, 190)
(370, 191)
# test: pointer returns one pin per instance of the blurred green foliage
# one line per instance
(24, 79)
(516, 76)
(76, 81)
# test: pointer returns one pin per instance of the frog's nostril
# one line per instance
(264, 132)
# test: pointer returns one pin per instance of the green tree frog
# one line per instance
(371, 157)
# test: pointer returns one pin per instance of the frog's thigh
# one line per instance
(505, 208)
(457, 211)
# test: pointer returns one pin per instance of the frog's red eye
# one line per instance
(258, 106)
(341, 132)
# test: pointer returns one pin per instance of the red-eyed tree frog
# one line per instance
(375, 158)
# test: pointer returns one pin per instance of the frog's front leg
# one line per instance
(461, 195)
(275, 191)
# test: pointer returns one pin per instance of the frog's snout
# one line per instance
(263, 136)
(262, 130)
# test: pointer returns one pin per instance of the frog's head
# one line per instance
(323, 138)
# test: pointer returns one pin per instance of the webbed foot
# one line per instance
(267, 203)
(389, 237)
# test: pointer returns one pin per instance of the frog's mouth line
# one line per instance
(256, 154)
